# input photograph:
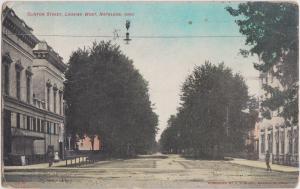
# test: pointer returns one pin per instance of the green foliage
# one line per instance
(107, 96)
(271, 30)
(212, 100)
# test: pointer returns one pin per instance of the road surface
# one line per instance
(151, 172)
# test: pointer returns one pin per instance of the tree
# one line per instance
(271, 31)
(108, 97)
(210, 119)
(169, 140)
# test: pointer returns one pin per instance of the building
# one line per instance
(86, 144)
(47, 81)
(252, 143)
(31, 121)
(274, 136)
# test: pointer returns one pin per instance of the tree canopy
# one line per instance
(106, 96)
(271, 31)
(210, 115)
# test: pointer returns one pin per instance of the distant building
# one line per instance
(30, 121)
(280, 140)
(252, 143)
(85, 144)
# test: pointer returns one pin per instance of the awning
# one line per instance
(28, 134)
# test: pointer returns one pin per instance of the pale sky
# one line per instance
(164, 62)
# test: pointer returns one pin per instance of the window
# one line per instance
(18, 80)
(43, 126)
(28, 80)
(34, 124)
(18, 120)
(24, 122)
(60, 103)
(6, 79)
(28, 122)
(262, 144)
(55, 128)
(54, 101)
(38, 125)
(48, 128)
(6, 61)
(48, 98)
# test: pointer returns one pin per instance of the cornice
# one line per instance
(19, 28)
(49, 71)
(31, 107)
(17, 47)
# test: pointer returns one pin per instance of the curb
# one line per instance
(232, 162)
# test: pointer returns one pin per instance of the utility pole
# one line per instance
(227, 120)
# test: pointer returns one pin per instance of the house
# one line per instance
(274, 136)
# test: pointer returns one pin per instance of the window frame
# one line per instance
(18, 84)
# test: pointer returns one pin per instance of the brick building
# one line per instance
(86, 144)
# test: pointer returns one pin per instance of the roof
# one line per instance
(53, 57)
(15, 24)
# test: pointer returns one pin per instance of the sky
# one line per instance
(163, 60)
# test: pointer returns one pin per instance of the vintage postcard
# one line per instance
(183, 94)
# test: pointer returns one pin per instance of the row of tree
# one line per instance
(210, 119)
(106, 96)
(212, 97)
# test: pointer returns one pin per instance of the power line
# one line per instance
(137, 36)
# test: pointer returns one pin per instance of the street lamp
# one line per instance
(127, 25)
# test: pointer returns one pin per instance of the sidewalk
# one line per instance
(37, 166)
(56, 165)
(262, 164)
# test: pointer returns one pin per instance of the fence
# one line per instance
(287, 159)
(79, 160)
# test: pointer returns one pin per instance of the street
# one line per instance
(154, 171)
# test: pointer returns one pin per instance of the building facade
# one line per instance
(86, 144)
(30, 124)
(274, 136)
(47, 81)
